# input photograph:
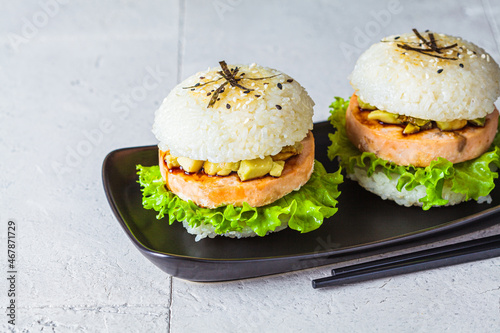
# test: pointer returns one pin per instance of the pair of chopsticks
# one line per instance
(483, 248)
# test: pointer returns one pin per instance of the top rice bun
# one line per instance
(410, 83)
(241, 125)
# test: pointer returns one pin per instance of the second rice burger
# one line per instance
(236, 153)
(421, 122)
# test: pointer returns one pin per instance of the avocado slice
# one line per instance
(385, 117)
(190, 165)
(411, 129)
(258, 167)
(451, 125)
(478, 121)
(366, 106)
(288, 151)
(277, 168)
(220, 169)
(171, 162)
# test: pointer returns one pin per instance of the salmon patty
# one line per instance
(388, 142)
(213, 191)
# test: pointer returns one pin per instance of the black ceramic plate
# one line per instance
(363, 224)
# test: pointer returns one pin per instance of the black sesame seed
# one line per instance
(222, 91)
(280, 86)
(196, 85)
(209, 93)
(246, 91)
(192, 89)
(202, 77)
(228, 106)
(242, 74)
(257, 96)
(461, 65)
(289, 80)
(458, 54)
(397, 37)
(218, 99)
(427, 30)
(440, 71)
(278, 107)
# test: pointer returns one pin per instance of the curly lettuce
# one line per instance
(304, 209)
(474, 178)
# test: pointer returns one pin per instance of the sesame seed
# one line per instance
(278, 107)
(257, 96)
(246, 91)
(228, 106)
(196, 85)
(209, 93)
(426, 75)
(279, 86)
(461, 65)
(202, 77)
(488, 58)
(289, 80)
(397, 37)
(440, 71)
(483, 56)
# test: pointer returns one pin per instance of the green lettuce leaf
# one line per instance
(474, 178)
(304, 209)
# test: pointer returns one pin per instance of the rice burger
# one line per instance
(236, 155)
(421, 126)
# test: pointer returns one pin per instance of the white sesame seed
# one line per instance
(426, 75)
(488, 58)
(483, 56)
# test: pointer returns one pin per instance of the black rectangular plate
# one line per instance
(364, 224)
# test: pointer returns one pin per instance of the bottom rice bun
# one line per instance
(233, 141)
(423, 108)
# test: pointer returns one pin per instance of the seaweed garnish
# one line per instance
(232, 77)
(432, 49)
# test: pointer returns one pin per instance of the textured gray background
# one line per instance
(81, 78)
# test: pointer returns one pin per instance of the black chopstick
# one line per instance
(483, 248)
